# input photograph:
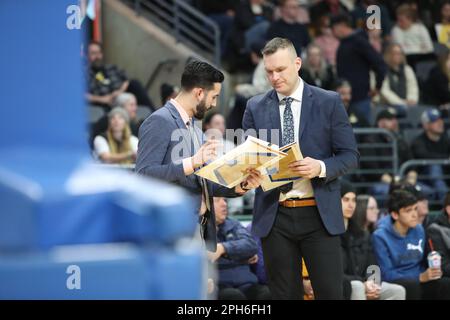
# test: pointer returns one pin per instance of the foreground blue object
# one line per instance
(127, 235)
(115, 271)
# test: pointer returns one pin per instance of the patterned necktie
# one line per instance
(288, 134)
(288, 123)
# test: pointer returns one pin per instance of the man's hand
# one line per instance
(214, 256)
(307, 287)
(207, 152)
(430, 274)
(307, 168)
(373, 93)
(372, 290)
(210, 286)
(253, 259)
(254, 180)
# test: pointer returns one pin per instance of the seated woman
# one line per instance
(399, 87)
(366, 213)
(316, 70)
(412, 36)
(116, 145)
(358, 258)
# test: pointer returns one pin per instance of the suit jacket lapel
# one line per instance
(306, 109)
(181, 125)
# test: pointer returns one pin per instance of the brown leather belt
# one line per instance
(295, 203)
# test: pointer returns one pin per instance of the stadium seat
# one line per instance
(95, 113)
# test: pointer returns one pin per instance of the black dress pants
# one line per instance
(299, 233)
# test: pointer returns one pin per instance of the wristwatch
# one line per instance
(243, 188)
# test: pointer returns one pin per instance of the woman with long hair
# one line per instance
(315, 70)
(400, 84)
(366, 213)
(116, 145)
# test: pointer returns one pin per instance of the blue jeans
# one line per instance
(362, 108)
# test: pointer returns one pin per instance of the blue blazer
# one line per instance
(154, 159)
(325, 134)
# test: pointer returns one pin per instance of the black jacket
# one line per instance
(357, 253)
(437, 87)
(354, 59)
(439, 233)
(424, 148)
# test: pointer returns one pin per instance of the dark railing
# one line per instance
(185, 23)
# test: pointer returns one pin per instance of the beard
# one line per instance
(201, 110)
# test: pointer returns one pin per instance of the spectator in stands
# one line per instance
(360, 15)
(107, 81)
(355, 58)
(437, 87)
(442, 28)
(400, 87)
(302, 13)
(422, 208)
(250, 25)
(344, 88)
(366, 213)
(439, 233)
(258, 267)
(117, 145)
(419, 191)
(259, 83)
(399, 245)
(236, 250)
(244, 91)
(433, 143)
(214, 127)
(128, 102)
(358, 256)
(221, 12)
(327, 8)
(288, 27)
(412, 36)
(315, 70)
(168, 92)
(325, 39)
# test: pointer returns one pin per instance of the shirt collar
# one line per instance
(297, 94)
(181, 111)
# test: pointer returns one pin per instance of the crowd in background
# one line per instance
(382, 76)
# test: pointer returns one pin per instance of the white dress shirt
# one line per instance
(301, 188)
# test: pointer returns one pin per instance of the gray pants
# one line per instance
(389, 291)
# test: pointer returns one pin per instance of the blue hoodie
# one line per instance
(399, 257)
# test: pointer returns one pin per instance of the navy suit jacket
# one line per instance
(325, 134)
(154, 159)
